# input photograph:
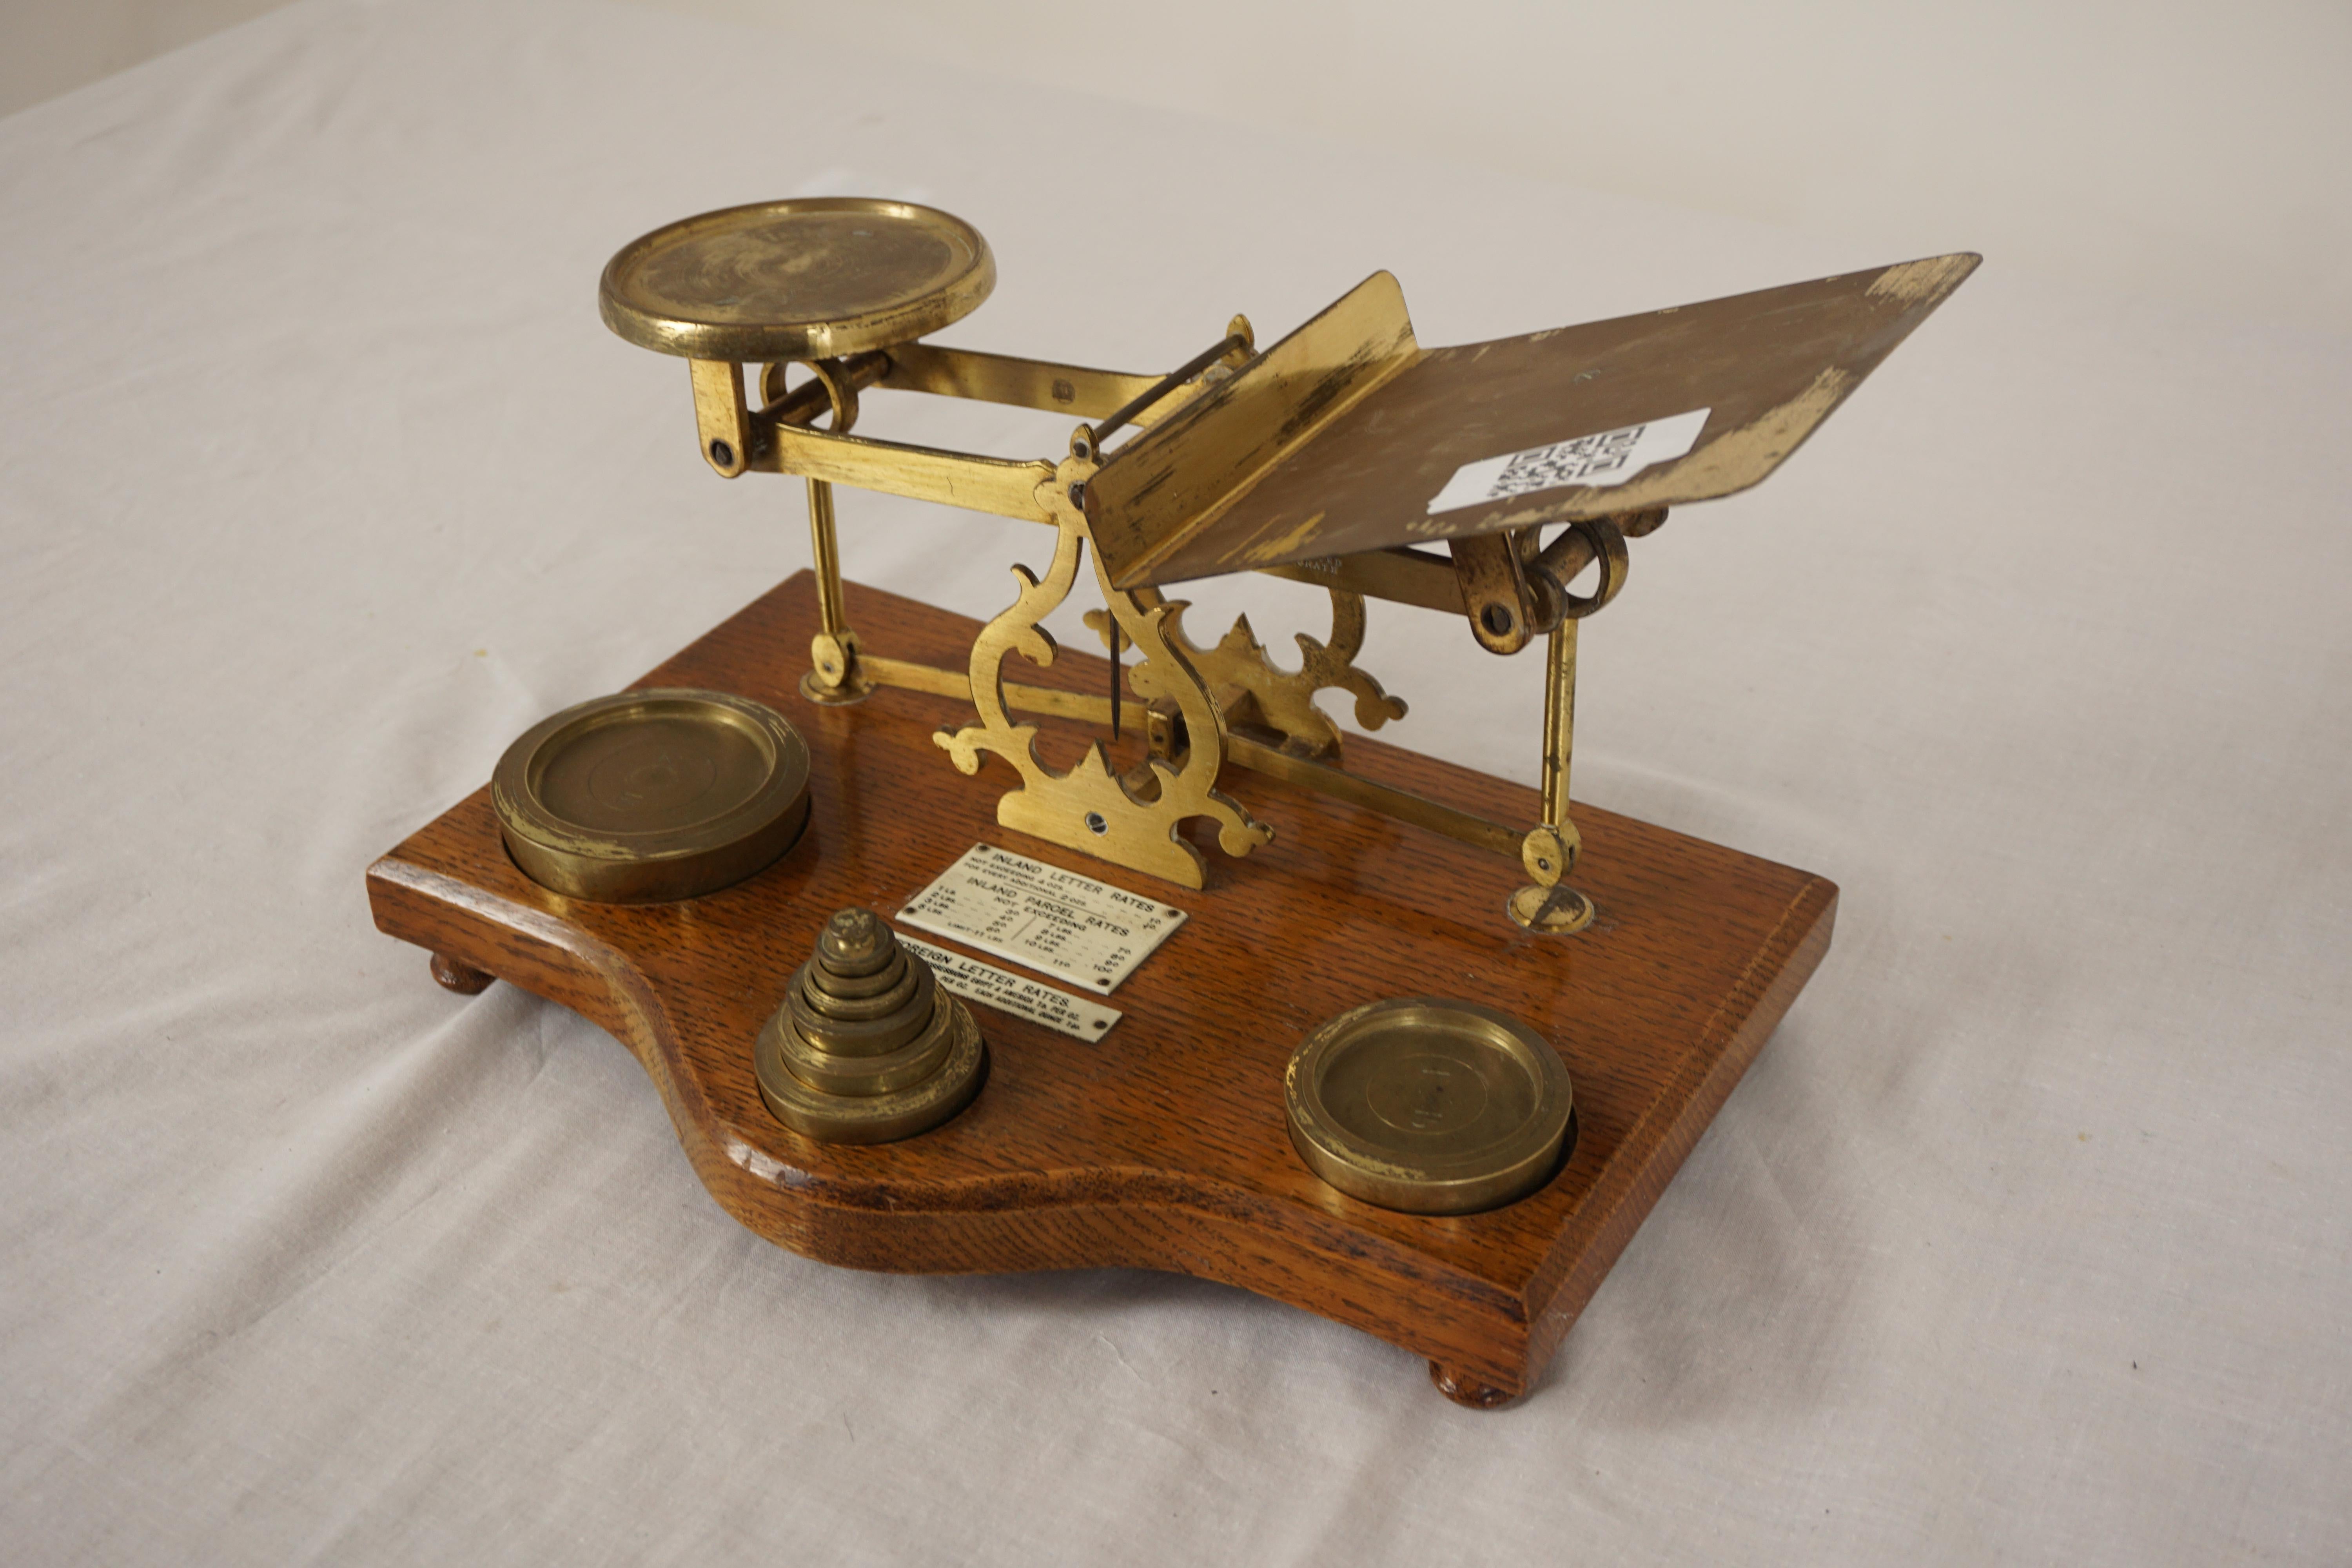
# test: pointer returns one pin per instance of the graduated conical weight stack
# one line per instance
(867, 1048)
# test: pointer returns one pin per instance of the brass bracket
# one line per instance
(1252, 691)
(1492, 571)
(1089, 808)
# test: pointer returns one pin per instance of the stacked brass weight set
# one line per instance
(1346, 457)
(866, 1049)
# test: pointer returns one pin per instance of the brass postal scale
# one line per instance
(950, 950)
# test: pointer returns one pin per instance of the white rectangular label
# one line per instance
(1009, 993)
(1610, 458)
(1056, 922)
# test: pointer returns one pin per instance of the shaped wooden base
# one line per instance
(1162, 1144)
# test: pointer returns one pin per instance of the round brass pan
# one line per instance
(650, 795)
(814, 277)
(1428, 1106)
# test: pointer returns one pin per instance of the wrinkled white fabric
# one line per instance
(319, 480)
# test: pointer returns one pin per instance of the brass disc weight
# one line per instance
(650, 795)
(1427, 1106)
(814, 277)
(884, 1117)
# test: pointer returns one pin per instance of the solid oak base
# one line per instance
(1161, 1144)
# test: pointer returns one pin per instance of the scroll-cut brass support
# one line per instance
(834, 677)
(1089, 808)
(1549, 906)
(1250, 691)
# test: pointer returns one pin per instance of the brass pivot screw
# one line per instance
(867, 1048)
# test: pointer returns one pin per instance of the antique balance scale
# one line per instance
(1396, 1042)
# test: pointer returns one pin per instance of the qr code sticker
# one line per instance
(1604, 457)
(1568, 462)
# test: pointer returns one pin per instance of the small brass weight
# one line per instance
(1339, 457)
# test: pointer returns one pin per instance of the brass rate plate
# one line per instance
(644, 796)
(1428, 1106)
(812, 278)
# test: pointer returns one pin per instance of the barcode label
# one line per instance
(1606, 457)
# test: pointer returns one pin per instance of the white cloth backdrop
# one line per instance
(2026, 1239)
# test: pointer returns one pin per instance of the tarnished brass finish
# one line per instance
(1089, 808)
(867, 1048)
(1400, 576)
(1323, 459)
(814, 278)
(1156, 495)
(1492, 570)
(835, 678)
(1554, 910)
(1008, 379)
(1251, 691)
(851, 947)
(1388, 423)
(1428, 1106)
(1549, 851)
(651, 795)
(1433, 816)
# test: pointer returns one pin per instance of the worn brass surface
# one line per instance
(856, 944)
(1430, 815)
(849, 1059)
(863, 1027)
(1553, 910)
(835, 678)
(1400, 576)
(651, 795)
(1428, 1106)
(1088, 808)
(1390, 427)
(812, 278)
(1170, 485)
(1008, 379)
(1492, 571)
(882, 1118)
(1250, 691)
(1318, 461)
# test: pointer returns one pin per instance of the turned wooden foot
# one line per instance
(464, 979)
(1465, 1390)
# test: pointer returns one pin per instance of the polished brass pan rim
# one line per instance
(812, 277)
(652, 795)
(1428, 1106)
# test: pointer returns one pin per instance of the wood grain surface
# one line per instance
(1161, 1144)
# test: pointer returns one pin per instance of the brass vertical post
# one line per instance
(825, 547)
(836, 678)
(1560, 721)
(1548, 905)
